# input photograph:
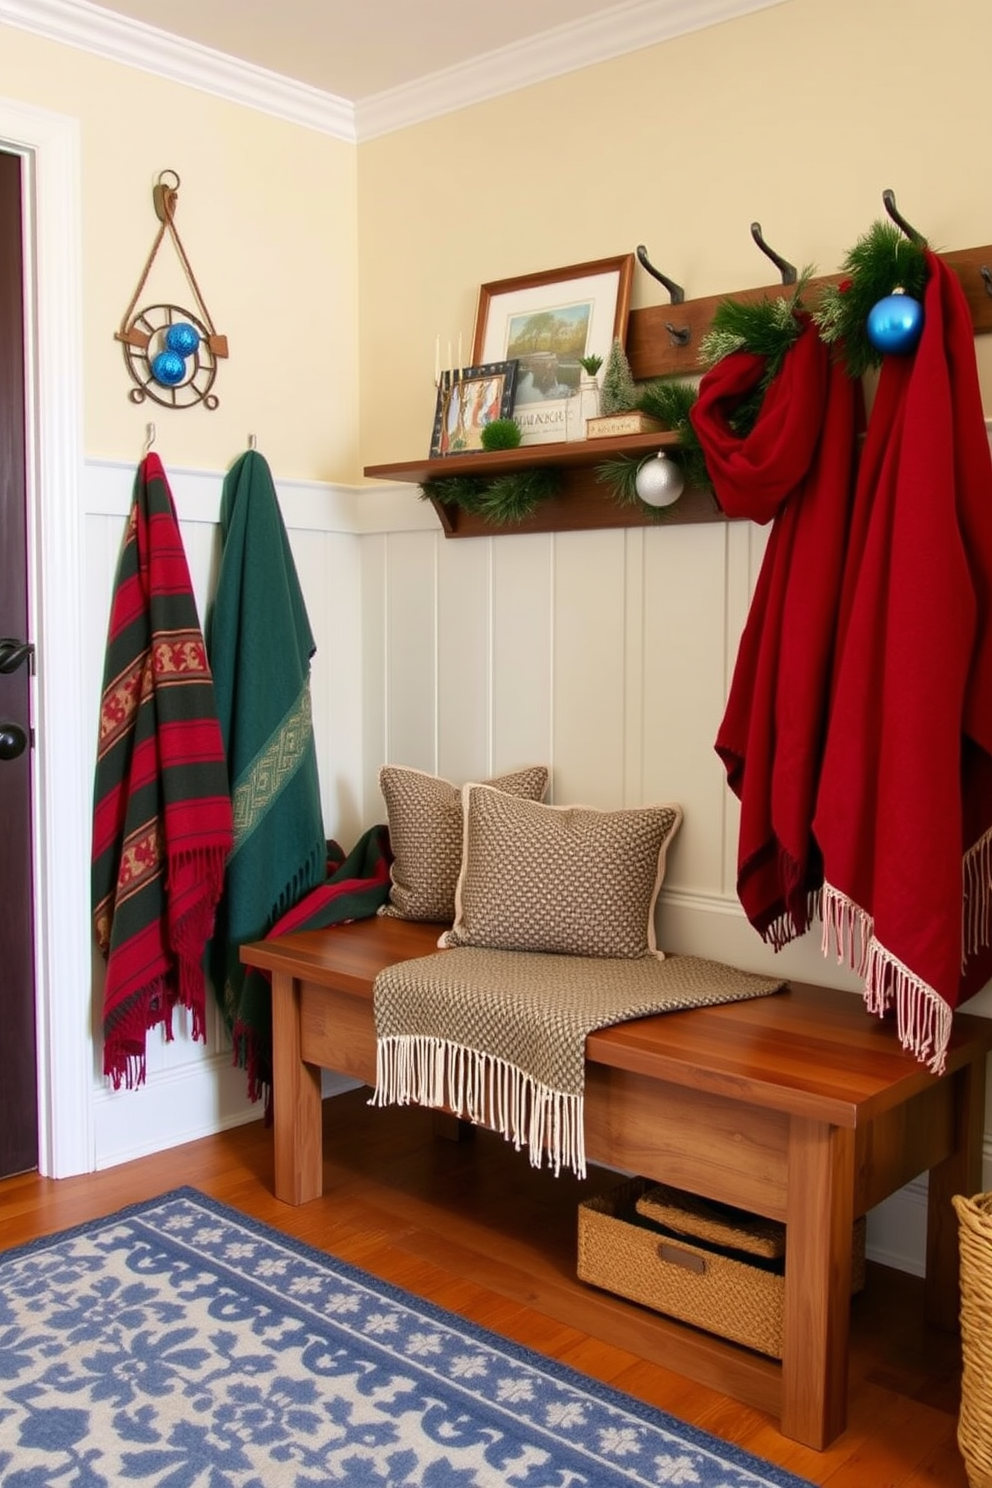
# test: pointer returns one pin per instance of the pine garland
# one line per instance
(500, 500)
(670, 401)
(465, 491)
(766, 327)
(881, 261)
(510, 498)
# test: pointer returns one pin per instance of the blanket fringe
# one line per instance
(923, 1018)
(784, 928)
(478, 1087)
(977, 887)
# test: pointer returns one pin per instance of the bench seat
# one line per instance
(799, 1106)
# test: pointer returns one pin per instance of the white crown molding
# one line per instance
(643, 23)
(565, 49)
(90, 28)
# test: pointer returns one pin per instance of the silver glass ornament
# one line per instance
(659, 481)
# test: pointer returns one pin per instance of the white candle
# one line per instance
(449, 364)
(459, 349)
(437, 359)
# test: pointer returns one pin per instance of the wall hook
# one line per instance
(252, 442)
(986, 274)
(680, 335)
(675, 290)
(889, 200)
(786, 269)
(149, 438)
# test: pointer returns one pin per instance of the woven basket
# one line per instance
(706, 1220)
(728, 1292)
(975, 1418)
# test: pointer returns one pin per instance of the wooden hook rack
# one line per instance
(662, 341)
(658, 346)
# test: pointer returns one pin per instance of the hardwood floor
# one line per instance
(473, 1228)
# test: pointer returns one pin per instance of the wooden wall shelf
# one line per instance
(583, 502)
(657, 346)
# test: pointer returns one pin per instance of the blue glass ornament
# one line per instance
(182, 338)
(895, 324)
(168, 368)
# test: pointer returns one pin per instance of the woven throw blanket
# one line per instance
(260, 644)
(499, 1037)
(162, 811)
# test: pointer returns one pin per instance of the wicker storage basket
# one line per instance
(975, 1418)
(734, 1293)
(700, 1218)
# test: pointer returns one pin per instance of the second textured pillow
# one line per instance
(425, 834)
(565, 879)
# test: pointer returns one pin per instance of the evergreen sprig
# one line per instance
(670, 401)
(465, 491)
(881, 261)
(766, 327)
(514, 496)
(620, 475)
(502, 500)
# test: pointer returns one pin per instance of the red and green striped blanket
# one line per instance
(162, 820)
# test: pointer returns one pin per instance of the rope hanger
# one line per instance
(170, 352)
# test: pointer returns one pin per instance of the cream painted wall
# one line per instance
(797, 117)
(267, 215)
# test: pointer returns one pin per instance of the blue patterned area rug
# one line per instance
(179, 1345)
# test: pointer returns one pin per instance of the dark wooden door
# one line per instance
(18, 1069)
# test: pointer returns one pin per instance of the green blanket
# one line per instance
(260, 644)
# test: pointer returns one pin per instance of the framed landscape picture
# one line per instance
(467, 400)
(546, 322)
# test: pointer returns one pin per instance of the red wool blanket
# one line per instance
(795, 468)
(904, 812)
(162, 825)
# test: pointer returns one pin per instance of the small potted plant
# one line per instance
(586, 400)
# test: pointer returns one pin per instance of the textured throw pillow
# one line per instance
(565, 879)
(425, 834)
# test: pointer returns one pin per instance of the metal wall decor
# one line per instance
(170, 352)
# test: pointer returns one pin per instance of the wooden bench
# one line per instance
(799, 1106)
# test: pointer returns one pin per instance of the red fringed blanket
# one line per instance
(162, 824)
(904, 813)
(795, 468)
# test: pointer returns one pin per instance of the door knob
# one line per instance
(13, 741)
(14, 653)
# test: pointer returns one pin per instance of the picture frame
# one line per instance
(546, 322)
(469, 398)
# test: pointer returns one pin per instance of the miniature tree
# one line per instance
(617, 393)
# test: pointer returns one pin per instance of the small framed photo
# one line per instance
(547, 322)
(468, 399)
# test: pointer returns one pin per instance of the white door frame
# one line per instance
(49, 146)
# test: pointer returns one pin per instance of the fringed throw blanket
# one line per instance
(904, 813)
(260, 645)
(498, 1037)
(796, 469)
(162, 812)
(355, 887)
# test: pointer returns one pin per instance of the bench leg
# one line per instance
(961, 1173)
(296, 1101)
(819, 1222)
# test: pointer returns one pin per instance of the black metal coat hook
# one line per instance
(786, 269)
(675, 290)
(889, 200)
(986, 274)
(679, 335)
